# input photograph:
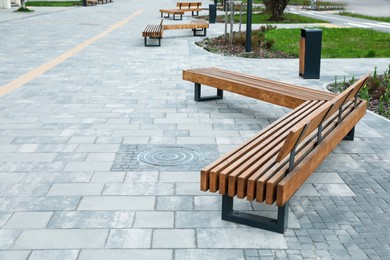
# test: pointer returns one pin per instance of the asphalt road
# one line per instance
(368, 7)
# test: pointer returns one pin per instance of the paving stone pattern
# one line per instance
(71, 186)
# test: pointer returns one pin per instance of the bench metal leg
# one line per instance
(350, 136)
(174, 17)
(204, 30)
(152, 45)
(276, 225)
(193, 13)
(198, 98)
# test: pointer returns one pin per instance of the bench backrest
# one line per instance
(189, 5)
(304, 128)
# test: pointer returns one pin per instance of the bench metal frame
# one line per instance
(173, 16)
(204, 30)
(198, 98)
(276, 225)
(152, 45)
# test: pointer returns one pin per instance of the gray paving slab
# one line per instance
(61, 239)
(54, 254)
(27, 220)
(123, 254)
(15, 255)
(61, 196)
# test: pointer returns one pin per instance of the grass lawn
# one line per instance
(298, 2)
(336, 42)
(376, 18)
(261, 18)
(55, 4)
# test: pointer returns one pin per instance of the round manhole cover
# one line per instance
(168, 156)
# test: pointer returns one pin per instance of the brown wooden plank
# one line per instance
(271, 184)
(303, 129)
(359, 85)
(291, 183)
(277, 86)
(188, 5)
(233, 155)
(247, 157)
(261, 165)
(248, 180)
(274, 176)
(257, 158)
(266, 184)
(201, 24)
(250, 166)
(263, 90)
(262, 82)
(266, 95)
(312, 122)
(302, 50)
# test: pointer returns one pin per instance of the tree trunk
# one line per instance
(275, 8)
(23, 4)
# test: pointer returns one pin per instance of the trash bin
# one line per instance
(212, 13)
(310, 53)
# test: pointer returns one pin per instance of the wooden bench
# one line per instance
(172, 12)
(278, 93)
(157, 31)
(92, 2)
(271, 166)
(154, 32)
(190, 7)
(198, 25)
(181, 8)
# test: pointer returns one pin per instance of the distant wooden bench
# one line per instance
(181, 8)
(278, 93)
(271, 166)
(153, 31)
(157, 31)
(173, 12)
(92, 2)
(193, 7)
(198, 25)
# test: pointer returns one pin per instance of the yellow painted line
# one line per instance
(17, 83)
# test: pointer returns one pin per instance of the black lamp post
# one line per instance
(84, 2)
(248, 47)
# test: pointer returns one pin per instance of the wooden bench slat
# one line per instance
(315, 94)
(283, 87)
(194, 24)
(274, 177)
(329, 125)
(312, 122)
(232, 154)
(215, 78)
(263, 172)
(254, 160)
(172, 11)
(303, 129)
(250, 156)
(290, 184)
(277, 129)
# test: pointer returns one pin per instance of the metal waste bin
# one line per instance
(212, 13)
(310, 53)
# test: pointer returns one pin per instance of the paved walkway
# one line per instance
(85, 109)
